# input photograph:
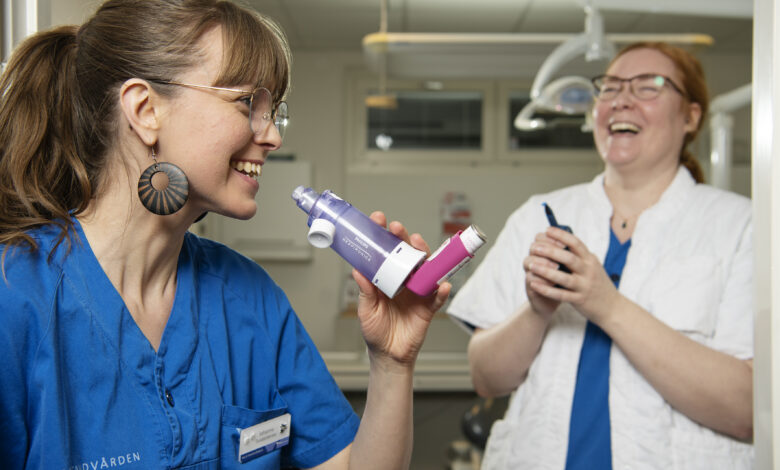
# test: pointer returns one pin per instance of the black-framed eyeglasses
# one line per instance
(646, 86)
(261, 108)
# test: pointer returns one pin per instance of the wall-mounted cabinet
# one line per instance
(278, 229)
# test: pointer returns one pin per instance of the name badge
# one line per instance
(263, 438)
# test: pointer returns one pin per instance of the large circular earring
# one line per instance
(172, 194)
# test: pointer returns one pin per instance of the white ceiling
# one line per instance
(341, 24)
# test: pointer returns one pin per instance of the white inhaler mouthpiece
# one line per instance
(321, 233)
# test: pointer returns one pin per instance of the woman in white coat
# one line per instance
(639, 355)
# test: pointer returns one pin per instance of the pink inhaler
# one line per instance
(446, 261)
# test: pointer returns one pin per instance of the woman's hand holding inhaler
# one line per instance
(395, 328)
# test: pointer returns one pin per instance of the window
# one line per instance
(458, 121)
(427, 120)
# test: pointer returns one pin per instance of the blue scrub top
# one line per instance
(82, 388)
(590, 440)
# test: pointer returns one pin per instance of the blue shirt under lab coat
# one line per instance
(82, 388)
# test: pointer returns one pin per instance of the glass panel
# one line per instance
(562, 131)
(428, 120)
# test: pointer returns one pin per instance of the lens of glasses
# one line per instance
(607, 88)
(281, 118)
(263, 113)
(644, 87)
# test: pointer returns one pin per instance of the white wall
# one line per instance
(316, 134)
(68, 11)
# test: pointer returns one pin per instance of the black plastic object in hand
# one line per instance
(554, 223)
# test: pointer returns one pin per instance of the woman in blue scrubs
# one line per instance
(127, 341)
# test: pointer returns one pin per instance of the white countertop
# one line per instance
(433, 371)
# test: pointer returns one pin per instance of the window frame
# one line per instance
(357, 122)
(495, 129)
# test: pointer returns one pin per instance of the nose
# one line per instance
(269, 137)
(624, 98)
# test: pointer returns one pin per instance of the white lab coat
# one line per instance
(690, 264)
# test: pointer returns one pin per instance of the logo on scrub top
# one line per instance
(108, 462)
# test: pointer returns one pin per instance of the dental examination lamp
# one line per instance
(567, 95)
(570, 95)
(592, 43)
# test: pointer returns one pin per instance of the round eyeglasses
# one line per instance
(260, 102)
(646, 86)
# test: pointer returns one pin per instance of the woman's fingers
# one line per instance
(568, 240)
(441, 295)
(551, 276)
(398, 229)
(379, 218)
(555, 254)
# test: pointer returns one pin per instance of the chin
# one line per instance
(620, 156)
(241, 214)
(246, 215)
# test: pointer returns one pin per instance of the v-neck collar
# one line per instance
(109, 313)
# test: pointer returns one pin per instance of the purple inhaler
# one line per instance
(376, 253)
(383, 258)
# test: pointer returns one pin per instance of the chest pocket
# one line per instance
(685, 294)
(236, 418)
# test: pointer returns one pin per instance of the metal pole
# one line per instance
(766, 217)
(7, 39)
(721, 126)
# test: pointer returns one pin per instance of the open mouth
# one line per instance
(248, 168)
(623, 128)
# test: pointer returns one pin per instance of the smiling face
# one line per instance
(206, 133)
(632, 135)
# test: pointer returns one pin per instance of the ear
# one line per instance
(139, 100)
(693, 118)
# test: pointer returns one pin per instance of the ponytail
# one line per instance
(42, 178)
(694, 168)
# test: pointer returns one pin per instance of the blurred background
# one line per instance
(443, 113)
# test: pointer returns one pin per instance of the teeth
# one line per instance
(252, 169)
(623, 127)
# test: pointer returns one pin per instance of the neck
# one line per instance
(630, 195)
(137, 250)
(636, 192)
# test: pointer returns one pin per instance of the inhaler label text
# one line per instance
(358, 249)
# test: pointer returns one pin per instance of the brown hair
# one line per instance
(59, 96)
(694, 86)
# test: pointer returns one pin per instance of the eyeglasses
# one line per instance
(646, 86)
(260, 103)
